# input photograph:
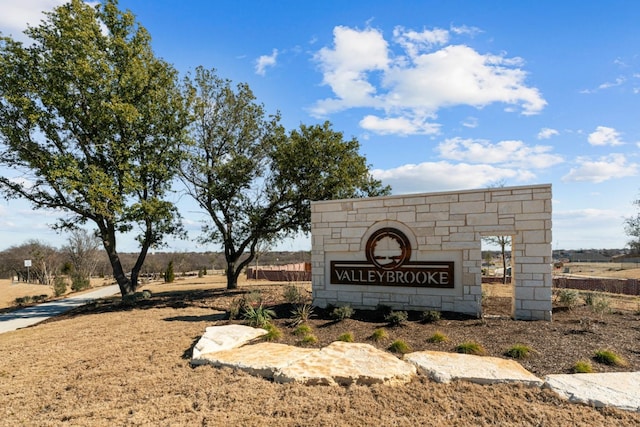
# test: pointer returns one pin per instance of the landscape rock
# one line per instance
(616, 389)
(261, 359)
(225, 337)
(342, 363)
(445, 367)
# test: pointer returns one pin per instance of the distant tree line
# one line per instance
(48, 262)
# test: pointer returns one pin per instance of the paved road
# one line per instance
(31, 315)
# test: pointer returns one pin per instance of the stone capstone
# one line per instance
(342, 363)
(446, 367)
(225, 337)
(617, 389)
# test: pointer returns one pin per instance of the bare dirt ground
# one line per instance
(115, 364)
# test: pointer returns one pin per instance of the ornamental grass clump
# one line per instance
(379, 335)
(273, 333)
(438, 337)
(302, 330)
(301, 314)
(346, 337)
(258, 317)
(471, 347)
(582, 367)
(309, 339)
(608, 357)
(399, 346)
(519, 351)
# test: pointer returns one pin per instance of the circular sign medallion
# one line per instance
(388, 248)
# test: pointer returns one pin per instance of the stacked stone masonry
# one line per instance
(445, 226)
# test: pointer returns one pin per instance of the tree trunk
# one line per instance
(109, 243)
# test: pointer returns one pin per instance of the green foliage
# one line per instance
(346, 337)
(582, 367)
(519, 351)
(97, 120)
(379, 335)
(301, 314)
(273, 333)
(397, 318)
(610, 358)
(79, 283)
(258, 317)
(309, 339)
(21, 301)
(238, 148)
(59, 286)
(169, 274)
(342, 312)
(438, 337)
(570, 298)
(200, 273)
(599, 303)
(399, 346)
(430, 316)
(302, 330)
(292, 294)
(471, 347)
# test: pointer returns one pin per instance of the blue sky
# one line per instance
(442, 95)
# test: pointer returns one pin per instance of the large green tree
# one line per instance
(255, 181)
(91, 123)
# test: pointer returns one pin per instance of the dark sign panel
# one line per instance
(436, 274)
(388, 254)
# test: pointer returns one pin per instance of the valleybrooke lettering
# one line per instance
(436, 274)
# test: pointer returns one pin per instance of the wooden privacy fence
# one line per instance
(615, 286)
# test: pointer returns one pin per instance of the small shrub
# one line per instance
(471, 347)
(292, 294)
(302, 330)
(438, 337)
(399, 346)
(79, 283)
(601, 304)
(582, 367)
(301, 314)
(346, 337)
(309, 339)
(397, 318)
(200, 273)
(258, 317)
(430, 316)
(273, 333)
(59, 286)
(169, 274)
(384, 309)
(610, 358)
(341, 313)
(234, 308)
(519, 351)
(146, 294)
(379, 335)
(569, 298)
(39, 298)
(22, 300)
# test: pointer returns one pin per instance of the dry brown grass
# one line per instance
(109, 364)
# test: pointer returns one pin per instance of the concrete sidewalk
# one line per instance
(31, 315)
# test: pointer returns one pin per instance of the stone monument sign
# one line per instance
(423, 251)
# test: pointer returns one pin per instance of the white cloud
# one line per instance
(507, 153)
(605, 136)
(402, 126)
(16, 14)
(266, 61)
(546, 133)
(443, 176)
(363, 71)
(470, 122)
(608, 167)
(617, 82)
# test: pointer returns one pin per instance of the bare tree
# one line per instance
(83, 251)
